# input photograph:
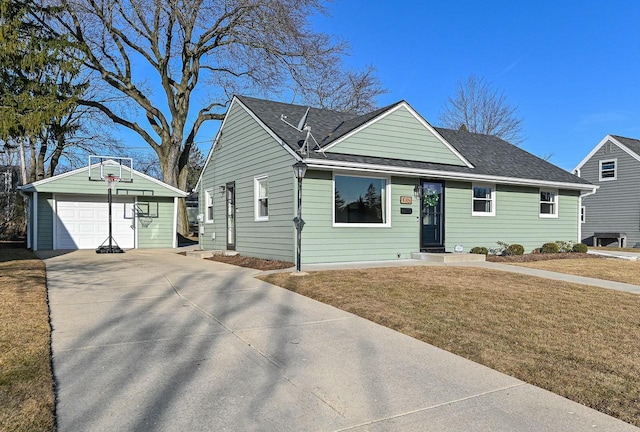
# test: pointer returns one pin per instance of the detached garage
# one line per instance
(70, 211)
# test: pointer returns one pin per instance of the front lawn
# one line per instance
(613, 269)
(26, 382)
(577, 341)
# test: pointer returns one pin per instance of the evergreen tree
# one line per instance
(37, 76)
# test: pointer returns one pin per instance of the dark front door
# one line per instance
(432, 216)
(231, 215)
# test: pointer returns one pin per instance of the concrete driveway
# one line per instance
(151, 340)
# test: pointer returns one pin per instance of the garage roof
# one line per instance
(77, 182)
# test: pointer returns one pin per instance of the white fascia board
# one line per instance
(411, 172)
(237, 101)
(213, 145)
(414, 113)
(80, 170)
(599, 146)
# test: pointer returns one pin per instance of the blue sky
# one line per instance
(571, 67)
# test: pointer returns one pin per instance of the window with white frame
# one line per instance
(360, 201)
(583, 214)
(548, 203)
(483, 200)
(261, 194)
(208, 199)
(608, 170)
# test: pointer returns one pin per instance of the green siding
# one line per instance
(45, 221)
(159, 233)
(322, 242)
(516, 221)
(399, 135)
(245, 150)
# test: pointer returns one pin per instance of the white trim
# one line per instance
(447, 175)
(580, 198)
(556, 205)
(135, 222)
(583, 214)
(414, 113)
(175, 222)
(235, 100)
(256, 197)
(615, 169)
(599, 146)
(208, 195)
(86, 168)
(35, 220)
(492, 199)
(54, 222)
(29, 220)
(387, 197)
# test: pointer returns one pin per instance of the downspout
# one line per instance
(580, 212)
(34, 238)
(175, 222)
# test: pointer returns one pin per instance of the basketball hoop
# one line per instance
(111, 181)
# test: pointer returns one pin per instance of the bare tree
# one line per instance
(480, 108)
(157, 53)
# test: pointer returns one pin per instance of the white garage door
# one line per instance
(82, 222)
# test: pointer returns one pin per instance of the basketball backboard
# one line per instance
(102, 166)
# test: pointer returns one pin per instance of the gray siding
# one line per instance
(245, 150)
(615, 207)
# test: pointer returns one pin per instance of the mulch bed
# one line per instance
(539, 257)
(251, 262)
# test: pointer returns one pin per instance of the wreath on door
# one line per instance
(431, 197)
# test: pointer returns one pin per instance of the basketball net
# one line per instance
(112, 181)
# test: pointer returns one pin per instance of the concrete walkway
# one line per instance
(154, 341)
(619, 286)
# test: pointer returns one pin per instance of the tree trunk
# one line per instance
(170, 158)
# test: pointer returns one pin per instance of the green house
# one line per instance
(70, 210)
(378, 186)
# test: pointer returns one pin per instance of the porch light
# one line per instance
(417, 191)
(299, 170)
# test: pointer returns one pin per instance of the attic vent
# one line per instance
(608, 147)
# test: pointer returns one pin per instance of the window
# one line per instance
(360, 201)
(583, 214)
(483, 200)
(208, 197)
(261, 194)
(548, 203)
(608, 170)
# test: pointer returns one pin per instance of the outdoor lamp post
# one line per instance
(299, 170)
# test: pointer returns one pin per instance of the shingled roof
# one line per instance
(631, 143)
(489, 155)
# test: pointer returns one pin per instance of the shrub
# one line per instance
(580, 248)
(515, 249)
(479, 250)
(550, 248)
(564, 246)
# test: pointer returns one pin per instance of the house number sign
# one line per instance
(406, 200)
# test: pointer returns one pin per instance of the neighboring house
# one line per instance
(379, 186)
(614, 211)
(69, 211)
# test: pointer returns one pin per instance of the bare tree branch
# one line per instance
(480, 108)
